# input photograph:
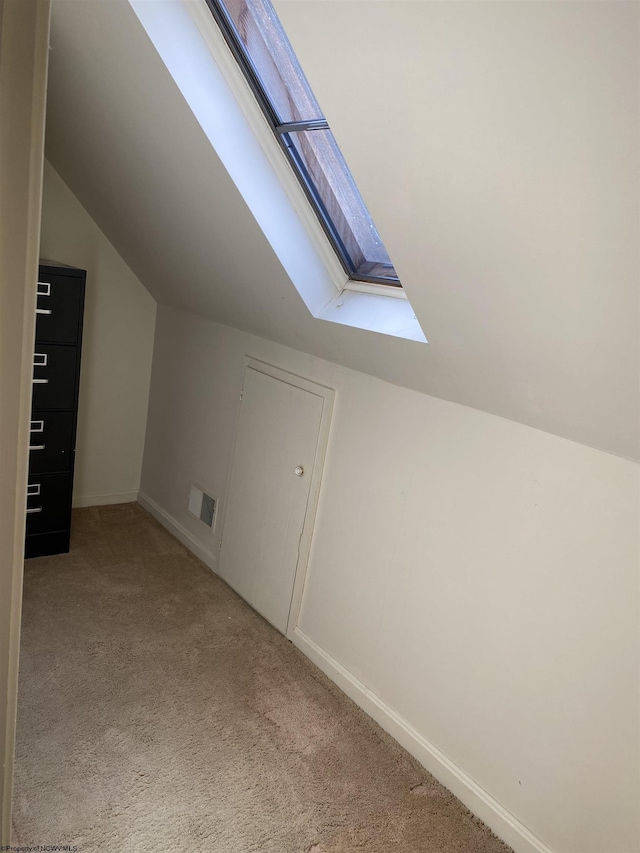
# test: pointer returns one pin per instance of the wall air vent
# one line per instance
(202, 506)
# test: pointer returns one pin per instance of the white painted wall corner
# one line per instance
(105, 499)
(178, 530)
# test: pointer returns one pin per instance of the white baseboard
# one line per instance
(105, 499)
(476, 799)
(181, 533)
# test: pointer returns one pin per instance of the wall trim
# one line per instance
(181, 533)
(105, 498)
(476, 799)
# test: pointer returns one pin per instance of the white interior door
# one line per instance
(274, 456)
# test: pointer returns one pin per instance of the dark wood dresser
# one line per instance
(54, 409)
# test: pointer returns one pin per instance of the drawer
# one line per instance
(48, 503)
(59, 308)
(54, 376)
(51, 442)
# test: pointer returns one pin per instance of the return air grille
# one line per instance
(202, 506)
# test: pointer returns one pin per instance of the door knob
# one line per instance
(299, 471)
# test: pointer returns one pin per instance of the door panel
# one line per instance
(277, 432)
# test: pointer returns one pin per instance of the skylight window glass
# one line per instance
(325, 164)
(260, 45)
(273, 60)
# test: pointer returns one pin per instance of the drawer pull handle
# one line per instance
(44, 311)
(33, 489)
(40, 359)
(40, 381)
(37, 426)
(46, 288)
(34, 509)
(36, 447)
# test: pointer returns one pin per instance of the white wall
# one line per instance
(501, 168)
(502, 171)
(119, 323)
(478, 576)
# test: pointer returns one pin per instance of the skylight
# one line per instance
(262, 49)
(198, 58)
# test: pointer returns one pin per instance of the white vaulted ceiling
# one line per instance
(496, 145)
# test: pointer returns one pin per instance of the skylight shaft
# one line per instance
(264, 53)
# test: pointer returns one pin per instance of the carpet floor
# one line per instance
(158, 712)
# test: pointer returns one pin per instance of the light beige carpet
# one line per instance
(159, 713)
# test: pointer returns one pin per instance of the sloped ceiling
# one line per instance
(496, 145)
